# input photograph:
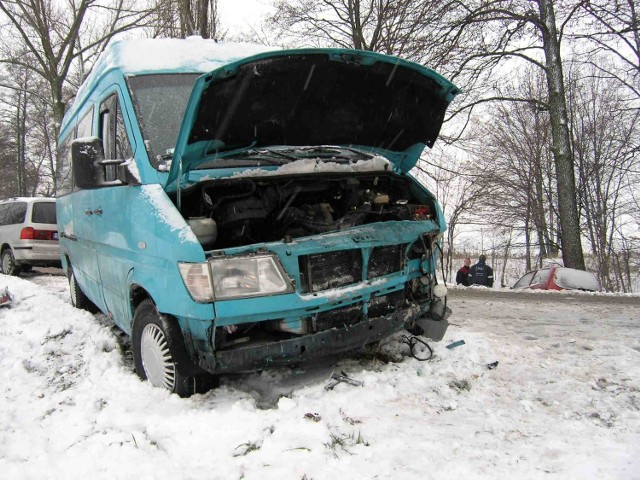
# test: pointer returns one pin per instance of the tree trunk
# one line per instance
(203, 18)
(567, 205)
(21, 137)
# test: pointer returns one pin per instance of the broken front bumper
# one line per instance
(322, 344)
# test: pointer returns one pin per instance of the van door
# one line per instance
(112, 211)
(75, 214)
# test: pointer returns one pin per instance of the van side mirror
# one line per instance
(86, 155)
(89, 164)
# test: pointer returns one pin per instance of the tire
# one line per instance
(160, 356)
(8, 263)
(78, 298)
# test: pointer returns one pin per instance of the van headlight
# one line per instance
(197, 279)
(235, 277)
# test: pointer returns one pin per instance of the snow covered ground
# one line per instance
(563, 401)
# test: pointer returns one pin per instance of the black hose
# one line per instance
(412, 341)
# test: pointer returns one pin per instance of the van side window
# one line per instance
(64, 180)
(123, 146)
(85, 125)
(113, 134)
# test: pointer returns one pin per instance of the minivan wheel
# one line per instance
(159, 354)
(8, 263)
(78, 298)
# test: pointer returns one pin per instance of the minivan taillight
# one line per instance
(30, 233)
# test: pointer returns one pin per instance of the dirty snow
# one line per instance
(563, 402)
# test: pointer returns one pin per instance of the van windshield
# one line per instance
(160, 101)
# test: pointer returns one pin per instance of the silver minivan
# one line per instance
(28, 234)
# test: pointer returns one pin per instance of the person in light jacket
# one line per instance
(481, 273)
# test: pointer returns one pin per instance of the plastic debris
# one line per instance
(6, 299)
(455, 344)
(313, 416)
(340, 378)
(492, 365)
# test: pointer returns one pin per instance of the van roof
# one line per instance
(163, 55)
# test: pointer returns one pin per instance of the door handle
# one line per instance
(88, 211)
(97, 211)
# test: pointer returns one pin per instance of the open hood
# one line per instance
(316, 97)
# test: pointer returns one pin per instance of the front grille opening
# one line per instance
(322, 271)
(337, 318)
(385, 260)
(386, 304)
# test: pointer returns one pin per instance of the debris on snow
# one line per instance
(342, 378)
(6, 299)
(455, 344)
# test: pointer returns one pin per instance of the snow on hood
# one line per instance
(317, 165)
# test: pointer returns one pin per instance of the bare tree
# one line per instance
(408, 28)
(515, 172)
(605, 134)
(181, 18)
(529, 31)
(50, 39)
(49, 33)
(8, 186)
(613, 35)
(457, 193)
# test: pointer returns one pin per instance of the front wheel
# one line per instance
(8, 263)
(158, 349)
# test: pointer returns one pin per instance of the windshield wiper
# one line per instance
(336, 154)
(256, 157)
(264, 155)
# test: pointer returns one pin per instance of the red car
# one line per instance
(559, 278)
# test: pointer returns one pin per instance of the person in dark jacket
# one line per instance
(462, 277)
(481, 273)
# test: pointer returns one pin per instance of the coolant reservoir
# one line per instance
(204, 228)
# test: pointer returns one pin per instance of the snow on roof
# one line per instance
(166, 55)
(193, 54)
(27, 199)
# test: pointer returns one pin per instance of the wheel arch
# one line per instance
(171, 326)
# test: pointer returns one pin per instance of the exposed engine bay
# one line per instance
(236, 212)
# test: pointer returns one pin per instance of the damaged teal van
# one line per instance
(232, 208)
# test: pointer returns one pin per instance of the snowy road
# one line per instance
(563, 402)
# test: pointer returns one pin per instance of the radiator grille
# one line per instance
(338, 318)
(323, 271)
(384, 305)
(385, 260)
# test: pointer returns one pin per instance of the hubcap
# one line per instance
(156, 358)
(72, 288)
(7, 262)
